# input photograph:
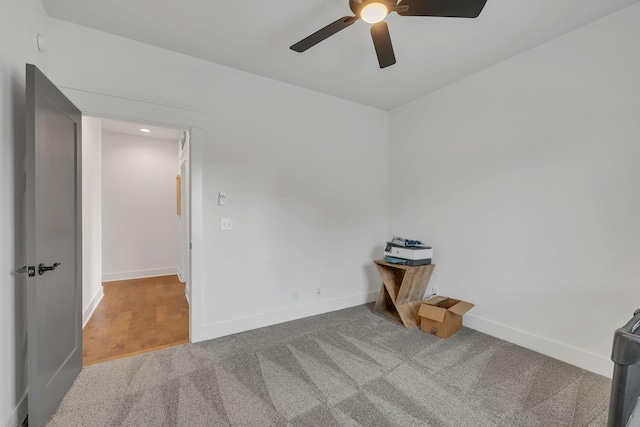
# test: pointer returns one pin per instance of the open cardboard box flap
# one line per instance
(461, 308)
(437, 300)
(436, 308)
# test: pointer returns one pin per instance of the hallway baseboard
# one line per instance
(140, 274)
(86, 315)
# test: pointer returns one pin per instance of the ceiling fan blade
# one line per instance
(324, 33)
(446, 8)
(382, 43)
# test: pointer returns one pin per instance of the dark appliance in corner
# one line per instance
(624, 406)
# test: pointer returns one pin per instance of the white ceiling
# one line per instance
(131, 128)
(255, 35)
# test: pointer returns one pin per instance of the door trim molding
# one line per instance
(123, 108)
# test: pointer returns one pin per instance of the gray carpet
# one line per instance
(346, 368)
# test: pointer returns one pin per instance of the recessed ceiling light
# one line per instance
(145, 130)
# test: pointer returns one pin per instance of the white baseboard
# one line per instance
(574, 356)
(139, 274)
(92, 307)
(19, 413)
(216, 330)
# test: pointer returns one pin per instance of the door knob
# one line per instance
(44, 268)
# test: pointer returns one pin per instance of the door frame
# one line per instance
(102, 105)
(185, 215)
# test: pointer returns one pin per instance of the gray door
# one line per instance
(54, 293)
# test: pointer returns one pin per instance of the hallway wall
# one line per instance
(91, 215)
(140, 226)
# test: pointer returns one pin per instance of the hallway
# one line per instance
(136, 316)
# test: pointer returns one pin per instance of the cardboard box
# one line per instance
(442, 316)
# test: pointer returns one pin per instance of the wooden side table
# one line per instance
(402, 291)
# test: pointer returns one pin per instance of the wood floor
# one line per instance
(136, 316)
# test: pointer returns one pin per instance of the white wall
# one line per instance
(140, 225)
(524, 178)
(304, 173)
(91, 216)
(20, 21)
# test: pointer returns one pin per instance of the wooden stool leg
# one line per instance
(401, 293)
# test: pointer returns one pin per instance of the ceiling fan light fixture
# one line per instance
(374, 12)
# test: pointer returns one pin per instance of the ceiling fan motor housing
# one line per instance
(357, 5)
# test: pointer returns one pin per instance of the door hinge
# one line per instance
(30, 270)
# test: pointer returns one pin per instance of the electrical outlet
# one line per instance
(226, 224)
(318, 292)
(436, 290)
(294, 296)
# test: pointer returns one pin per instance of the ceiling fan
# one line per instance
(374, 12)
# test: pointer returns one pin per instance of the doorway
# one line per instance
(136, 230)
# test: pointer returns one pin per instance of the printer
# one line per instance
(413, 255)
